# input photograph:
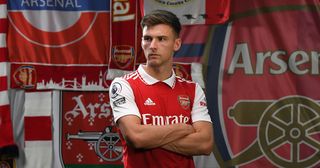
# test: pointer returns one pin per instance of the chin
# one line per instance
(153, 63)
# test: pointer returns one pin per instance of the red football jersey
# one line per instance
(157, 103)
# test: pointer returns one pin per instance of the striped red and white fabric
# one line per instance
(8, 149)
(38, 129)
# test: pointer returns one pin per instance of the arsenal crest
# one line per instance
(25, 76)
(268, 107)
(184, 101)
(122, 55)
(88, 135)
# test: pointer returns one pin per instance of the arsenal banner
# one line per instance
(61, 129)
(85, 134)
(262, 85)
(57, 34)
(191, 12)
(123, 34)
(43, 77)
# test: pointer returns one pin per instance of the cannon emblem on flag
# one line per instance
(107, 144)
(288, 130)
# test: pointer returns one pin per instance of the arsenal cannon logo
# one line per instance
(88, 135)
(288, 130)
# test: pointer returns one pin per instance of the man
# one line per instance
(163, 119)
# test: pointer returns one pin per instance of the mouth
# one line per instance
(153, 55)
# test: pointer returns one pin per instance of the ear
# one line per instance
(177, 44)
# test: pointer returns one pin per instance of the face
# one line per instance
(159, 44)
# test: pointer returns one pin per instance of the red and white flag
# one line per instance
(191, 12)
(61, 45)
(7, 145)
(38, 129)
(123, 38)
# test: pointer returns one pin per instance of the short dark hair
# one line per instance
(162, 17)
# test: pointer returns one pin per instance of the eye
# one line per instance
(147, 38)
(161, 38)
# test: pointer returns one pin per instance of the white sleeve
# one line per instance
(122, 99)
(199, 110)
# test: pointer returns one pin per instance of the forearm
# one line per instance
(197, 143)
(152, 136)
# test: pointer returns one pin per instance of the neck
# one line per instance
(160, 73)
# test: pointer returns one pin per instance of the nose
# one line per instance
(153, 44)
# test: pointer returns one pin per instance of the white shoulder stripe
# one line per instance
(131, 75)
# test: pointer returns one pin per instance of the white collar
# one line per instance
(151, 80)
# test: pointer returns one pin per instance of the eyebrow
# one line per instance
(155, 36)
